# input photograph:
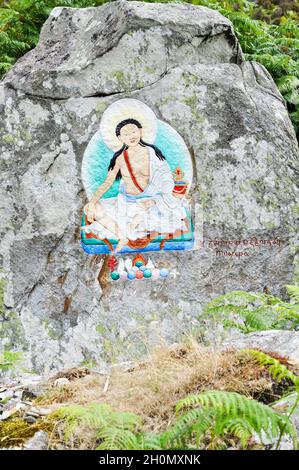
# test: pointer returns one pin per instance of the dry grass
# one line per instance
(152, 389)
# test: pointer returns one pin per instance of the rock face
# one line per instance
(186, 64)
(285, 343)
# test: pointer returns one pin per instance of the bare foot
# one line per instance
(121, 244)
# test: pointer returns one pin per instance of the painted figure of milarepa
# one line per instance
(150, 199)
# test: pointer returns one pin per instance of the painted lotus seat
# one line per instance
(137, 174)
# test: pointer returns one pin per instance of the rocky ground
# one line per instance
(149, 389)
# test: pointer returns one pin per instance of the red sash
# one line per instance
(131, 171)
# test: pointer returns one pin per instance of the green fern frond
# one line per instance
(259, 319)
(259, 417)
(94, 415)
(114, 428)
(10, 360)
(250, 312)
(117, 438)
(5, 66)
(236, 427)
(241, 298)
(293, 292)
(194, 421)
(148, 441)
(9, 44)
(295, 120)
(229, 324)
(277, 370)
(225, 309)
(278, 64)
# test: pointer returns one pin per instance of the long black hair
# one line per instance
(119, 126)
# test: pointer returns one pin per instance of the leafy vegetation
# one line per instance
(212, 420)
(115, 430)
(276, 11)
(187, 397)
(16, 431)
(10, 360)
(278, 371)
(268, 33)
(21, 22)
(276, 46)
(250, 312)
(232, 414)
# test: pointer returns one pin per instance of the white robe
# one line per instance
(165, 216)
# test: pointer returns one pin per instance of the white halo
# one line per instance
(127, 108)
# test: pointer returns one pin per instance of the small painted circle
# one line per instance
(138, 264)
(164, 272)
(147, 273)
(139, 275)
(142, 267)
(131, 275)
(115, 275)
(156, 273)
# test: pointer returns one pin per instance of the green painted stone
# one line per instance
(115, 275)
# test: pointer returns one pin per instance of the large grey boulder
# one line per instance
(186, 64)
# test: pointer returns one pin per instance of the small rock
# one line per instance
(44, 411)
(59, 447)
(31, 393)
(18, 394)
(38, 442)
(71, 374)
(28, 380)
(30, 419)
(6, 394)
(31, 413)
(21, 406)
(11, 404)
(29, 403)
(123, 366)
(8, 413)
(61, 381)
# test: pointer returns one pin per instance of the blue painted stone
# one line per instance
(131, 275)
(138, 264)
(147, 273)
(115, 275)
(142, 267)
(164, 272)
